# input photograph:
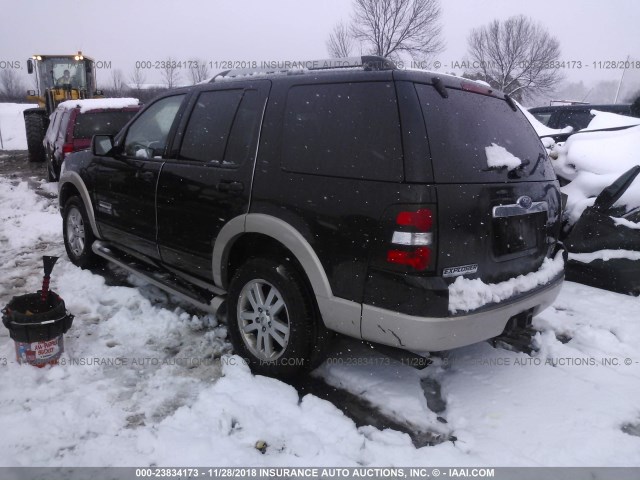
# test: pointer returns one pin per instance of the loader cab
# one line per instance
(62, 77)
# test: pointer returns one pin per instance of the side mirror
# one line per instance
(31, 93)
(30, 66)
(102, 145)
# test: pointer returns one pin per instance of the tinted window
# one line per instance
(103, 123)
(345, 130)
(64, 123)
(462, 126)
(244, 134)
(578, 119)
(147, 136)
(542, 117)
(205, 138)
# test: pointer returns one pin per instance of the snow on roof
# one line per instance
(100, 103)
(610, 120)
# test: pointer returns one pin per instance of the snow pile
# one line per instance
(626, 223)
(466, 294)
(604, 255)
(12, 131)
(100, 103)
(594, 160)
(610, 120)
(500, 157)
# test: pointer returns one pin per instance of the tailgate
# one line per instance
(495, 231)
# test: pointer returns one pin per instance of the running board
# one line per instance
(199, 297)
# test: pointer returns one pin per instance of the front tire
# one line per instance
(272, 318)
(36, 128)
(77, 233)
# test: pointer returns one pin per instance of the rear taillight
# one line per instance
(412, 239)
(66, 149)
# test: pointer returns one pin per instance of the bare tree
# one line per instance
(516, 56)
(391, 27)
(340, 43)
(137, 78)
(117, 83)
(11, 86)
(198, 71)
(170, 73)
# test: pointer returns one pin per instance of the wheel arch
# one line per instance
(277, 234)
(72, 184)
(338, 314)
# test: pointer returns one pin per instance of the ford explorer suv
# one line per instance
(75, 122)
(406, 208)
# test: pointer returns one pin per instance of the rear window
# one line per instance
(468, 131)
(100, 123)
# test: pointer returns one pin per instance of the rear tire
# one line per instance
(272, 318)
(36, 128)
(77, 233)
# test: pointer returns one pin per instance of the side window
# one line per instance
(64, 122)
(244, 133)
(53, 125)
(344, 130)
(206, 135)
(147, 136)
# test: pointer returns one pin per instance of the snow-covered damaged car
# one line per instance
(407, 208)
(598, 168)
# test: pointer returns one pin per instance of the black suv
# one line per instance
(325, 199)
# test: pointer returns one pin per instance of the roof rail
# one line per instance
(367, 62)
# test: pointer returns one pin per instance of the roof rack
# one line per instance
(367, 62)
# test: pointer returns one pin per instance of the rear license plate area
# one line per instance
(518, 235)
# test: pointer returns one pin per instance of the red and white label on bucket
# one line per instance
(38, 353)
(45, 350)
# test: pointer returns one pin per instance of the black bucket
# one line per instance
(37, 327)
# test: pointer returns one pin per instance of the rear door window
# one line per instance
(469, 132)
(207, 133)
(347, 130)
(100, 123)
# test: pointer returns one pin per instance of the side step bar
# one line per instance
(203, 299)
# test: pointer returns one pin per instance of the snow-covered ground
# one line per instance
(12, 130)
(145, 382)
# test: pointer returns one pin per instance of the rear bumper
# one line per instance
(424, 334)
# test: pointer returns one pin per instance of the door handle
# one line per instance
(230, 187)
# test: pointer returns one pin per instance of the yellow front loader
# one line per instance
(58, 78)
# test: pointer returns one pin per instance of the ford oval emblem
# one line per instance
(525, 202)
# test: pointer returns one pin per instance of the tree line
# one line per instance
(515, 55)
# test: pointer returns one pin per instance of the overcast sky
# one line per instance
(125, 31)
